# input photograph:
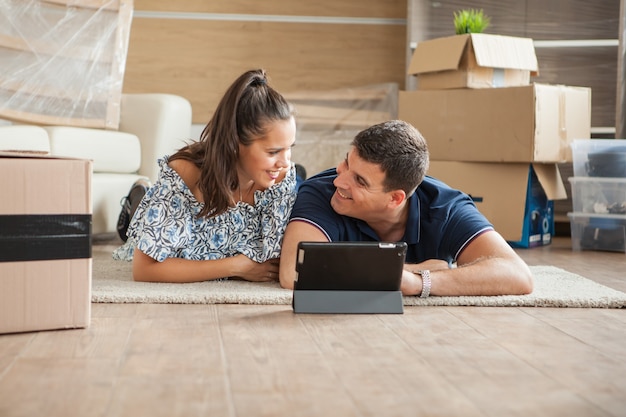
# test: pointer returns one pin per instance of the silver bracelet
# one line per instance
(425, 274)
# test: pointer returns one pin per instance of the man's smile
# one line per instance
(343, 195)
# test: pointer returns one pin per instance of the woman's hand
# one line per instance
(250, 270)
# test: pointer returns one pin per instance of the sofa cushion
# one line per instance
(111, 151)
(24, 138)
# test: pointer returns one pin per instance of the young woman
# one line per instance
(220, 205)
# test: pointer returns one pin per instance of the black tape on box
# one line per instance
(35, 237)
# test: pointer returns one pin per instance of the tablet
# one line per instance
(357, 266)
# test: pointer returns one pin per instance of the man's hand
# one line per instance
(431, 264)
(412, 281)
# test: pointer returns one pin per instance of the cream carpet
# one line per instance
(554, 287)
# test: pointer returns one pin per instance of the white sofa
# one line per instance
(151, 125)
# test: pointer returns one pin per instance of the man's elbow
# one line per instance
(526, 286)
(286, 280)
(524, 281)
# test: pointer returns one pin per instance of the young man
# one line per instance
(380, 192)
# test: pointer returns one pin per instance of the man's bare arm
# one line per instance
(487, 266)
(296, 232)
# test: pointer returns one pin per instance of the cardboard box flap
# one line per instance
(550, 179)
(439, 54)
(495, 51)
(489, 51)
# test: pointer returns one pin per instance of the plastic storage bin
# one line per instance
(599, 158)
(598, 195)
(604, 232)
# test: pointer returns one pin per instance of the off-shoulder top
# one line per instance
(166, 225)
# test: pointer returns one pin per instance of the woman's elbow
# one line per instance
(141, 270)
(139, 274)
(143, 267)
(140, 278)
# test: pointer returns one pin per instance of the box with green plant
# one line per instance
(470, 21)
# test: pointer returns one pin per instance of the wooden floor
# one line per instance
(235, 360)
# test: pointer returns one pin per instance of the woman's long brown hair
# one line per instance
(242, 116)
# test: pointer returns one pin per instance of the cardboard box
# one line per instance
(516, 198)
(45, 243)
(535, 123)
(474, 60)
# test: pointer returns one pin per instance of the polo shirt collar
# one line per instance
(412, 232)
(365, 229)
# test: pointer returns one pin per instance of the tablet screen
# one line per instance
(364, 266)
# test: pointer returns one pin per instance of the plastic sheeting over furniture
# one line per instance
(63, 61)
(327, 121)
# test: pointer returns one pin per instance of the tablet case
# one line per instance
(349, 277)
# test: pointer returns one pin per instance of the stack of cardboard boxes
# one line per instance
(492, 133)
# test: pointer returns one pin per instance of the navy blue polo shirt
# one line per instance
(442, 220)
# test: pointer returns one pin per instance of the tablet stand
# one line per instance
(347, 302)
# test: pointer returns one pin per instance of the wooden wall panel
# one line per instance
(198, 58)
(353, 8)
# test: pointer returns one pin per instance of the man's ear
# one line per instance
(397, 197)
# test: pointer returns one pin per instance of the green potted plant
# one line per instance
(470, 21)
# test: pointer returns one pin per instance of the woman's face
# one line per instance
(268, 158)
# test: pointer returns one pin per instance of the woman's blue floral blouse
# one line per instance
(165, 224)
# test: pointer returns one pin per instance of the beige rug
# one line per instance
(554, 287)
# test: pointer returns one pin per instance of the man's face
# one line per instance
(360, 192)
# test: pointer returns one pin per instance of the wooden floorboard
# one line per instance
(252, 360)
